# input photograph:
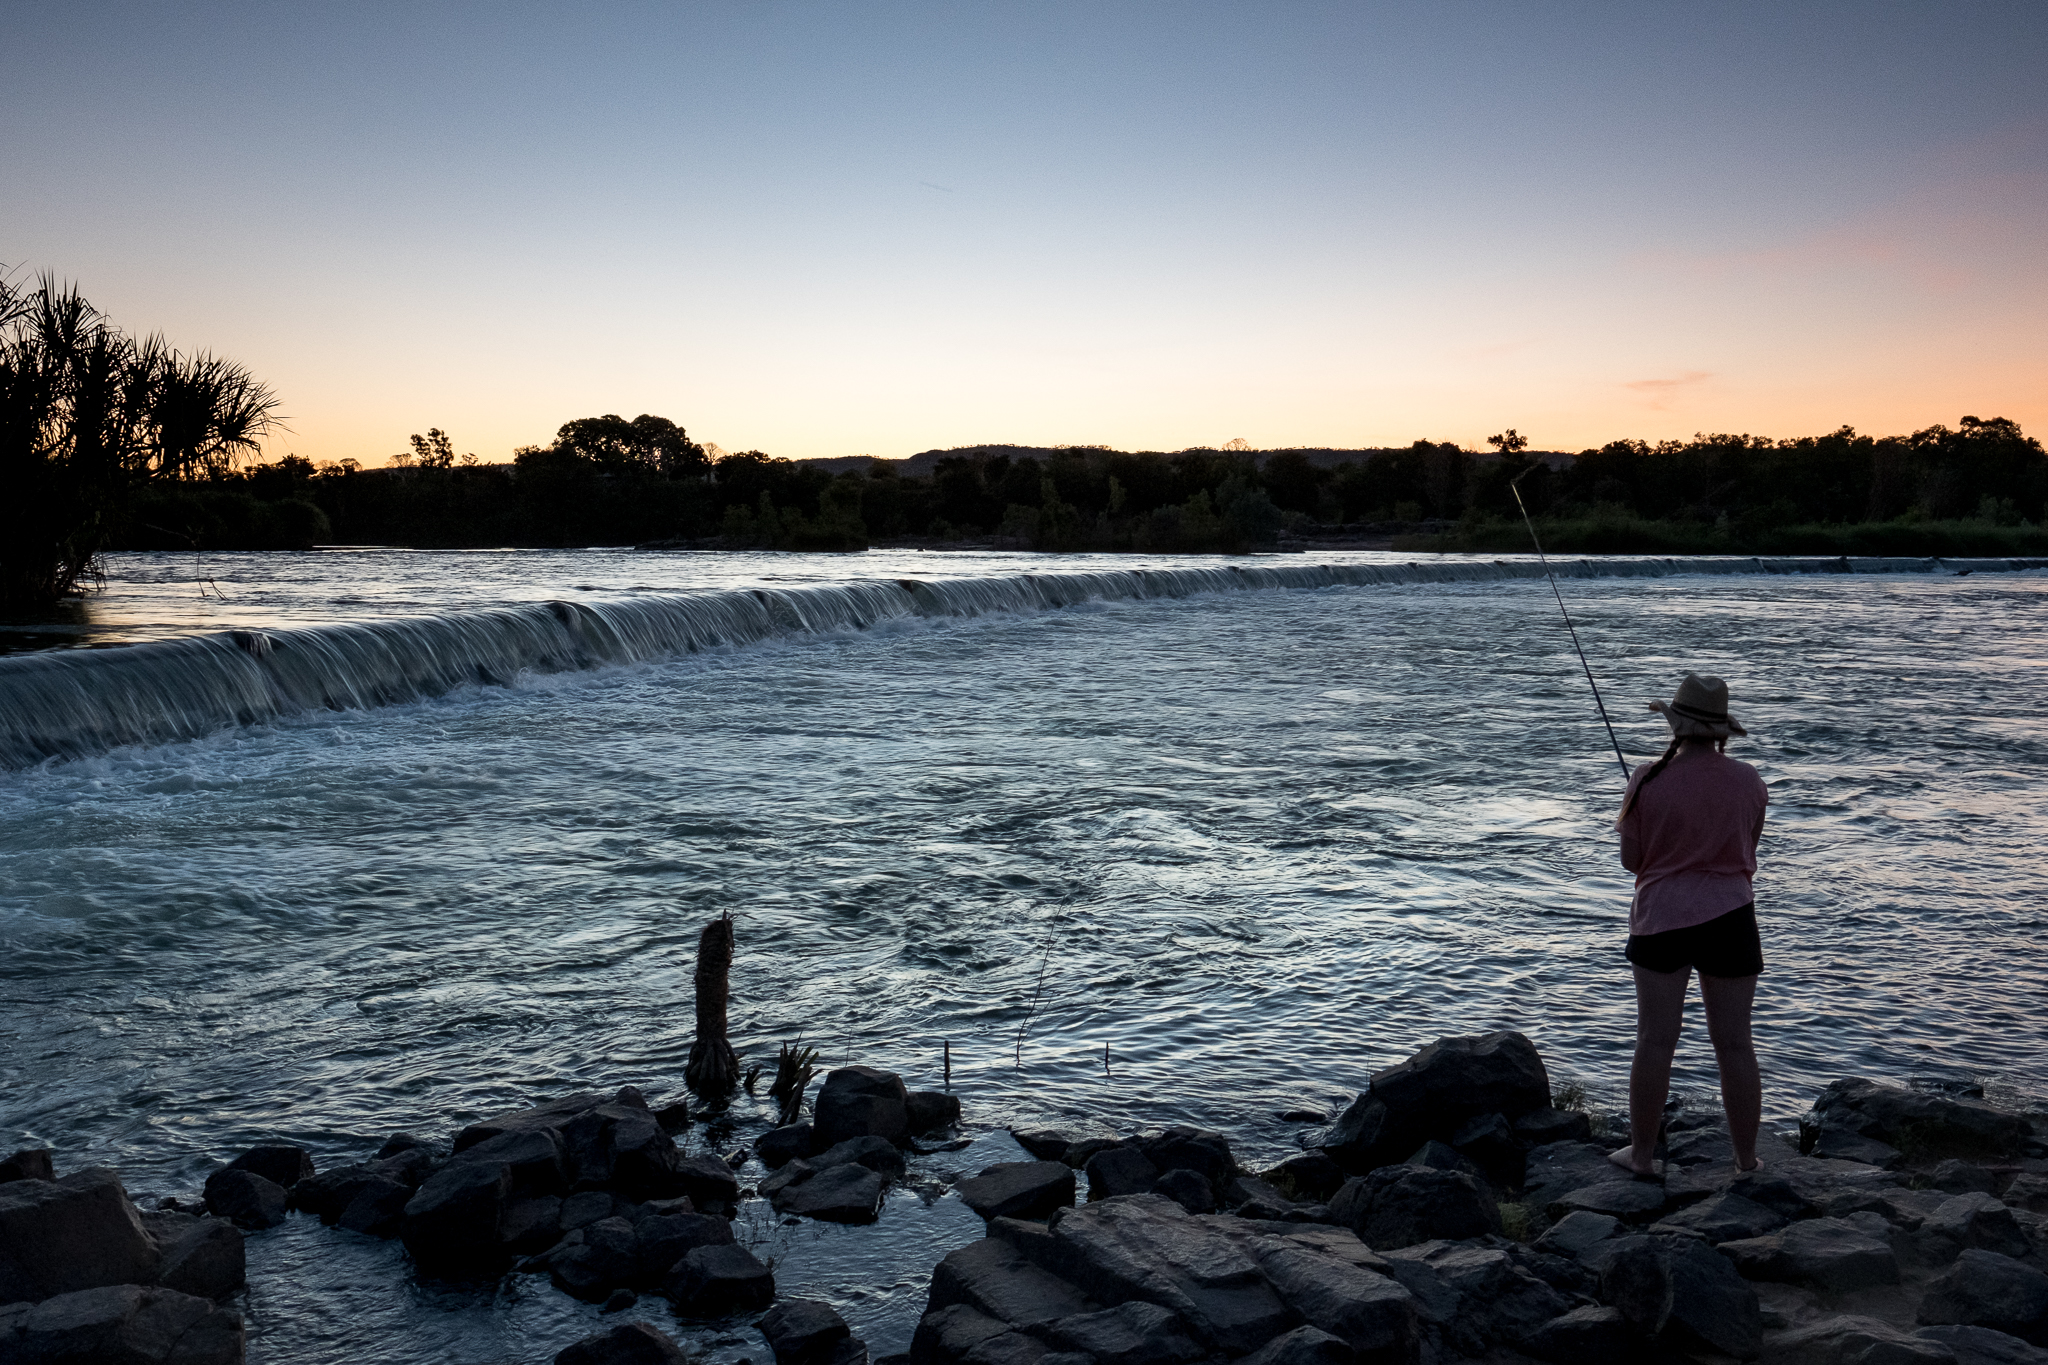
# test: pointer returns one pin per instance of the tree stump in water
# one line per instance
(714, 1069)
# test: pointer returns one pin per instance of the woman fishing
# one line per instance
(1689, 827)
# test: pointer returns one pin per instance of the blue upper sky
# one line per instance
(833, 229)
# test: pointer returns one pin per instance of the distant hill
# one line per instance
(921, 464)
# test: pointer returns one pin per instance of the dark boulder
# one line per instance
(1081, 1151)
(246, 1198)
(1921, 1124)
(714, 1281)
(1371, 1313)
(1308, 1178)
(673, 1116)
(928, 1111)
(1574, 1232)
(280, 1163)
(1134, 1333)
(1962, 1177)
(846, 1193)
(1044, 1144)
(1011, 1348)
(399, 1143)
(996, 1279)
(452, 1224)
(203, 1257)
(592, 1261)
(1985, 1289)
(1632, 1201)
(946, 1335)
(1490, 1143)
(622, 1147)
(1983, 1346)
(877, 1154)
(779, 1146)
(860, 1101)
(1398, 1206)
(122, 1324)
(1838, 1255)
(1441, 1156)
(664, 1239)
(633, 1343)
(1434, 1093)
(803, 1332)
(1541, 1127)
(1592, 1335)
(1118, 1171)
(377, 1207)
(550, 1117)
(1193, 1149)
(80, 1232)
(1187, 1188)
(1846, 1339)
(531, 1225)
(531, 1159)
(1019, 1189)
(1303, 1346)
(585, 1207)
(28, 1164)
(1964, 1221)
(1726, 1217)
(707, 1182)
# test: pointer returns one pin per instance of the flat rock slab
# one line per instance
(846, 1193)
(1019, 1189)
(997, 1280)
(803, 1331)
(712, 1282)
(1632, 1201)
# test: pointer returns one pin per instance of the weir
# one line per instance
(71, 703)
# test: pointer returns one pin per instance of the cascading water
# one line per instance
(65, 704)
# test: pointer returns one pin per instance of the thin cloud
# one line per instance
(942, 189)
(1660, 393)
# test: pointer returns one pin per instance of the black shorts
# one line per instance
(1727, 945)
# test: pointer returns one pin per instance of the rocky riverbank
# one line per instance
(1451, 1213)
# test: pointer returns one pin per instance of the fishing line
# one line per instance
(1567, 618)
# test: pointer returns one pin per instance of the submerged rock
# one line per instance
(281, 1163)
(1019, 1189)
(246, 1198)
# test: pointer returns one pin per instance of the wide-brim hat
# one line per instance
(1699, 710)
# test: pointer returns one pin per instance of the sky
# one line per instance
(842, 229)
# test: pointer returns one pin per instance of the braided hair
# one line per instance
(1671, 752)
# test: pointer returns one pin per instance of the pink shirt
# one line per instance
(1691, 840)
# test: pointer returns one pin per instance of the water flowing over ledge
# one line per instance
(71, 703)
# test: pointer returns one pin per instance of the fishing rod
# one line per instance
(1512, 487)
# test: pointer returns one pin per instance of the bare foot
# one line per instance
(1752, 1168)
(1625, 1157)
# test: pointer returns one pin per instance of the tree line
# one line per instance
(112, 442)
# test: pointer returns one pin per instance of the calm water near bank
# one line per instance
(1259, 843)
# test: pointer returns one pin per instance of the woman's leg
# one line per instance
(1728, 1000)
(1660, 1011)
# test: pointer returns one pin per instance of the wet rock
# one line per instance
(531, 1225)
(1118, 1171)
(623, 1147)
(1834, 1254)
(1441, 1156)
(28, 1164)
(1592, 1335)
(1044, 1144)
(1985, 1289)
(1846, 1339)
(376, 1207)
(673, 1116)
(619, 1300)
(877, 1154)
(1726, 1218)
(246, 1198)
(632, 1343)
(792, 1172)
(1489, 1142)
(1434, 1093)
(860, 1101)
(399, 1143)
(1984, 1346)
(1250, 1197)
(1011, 1348)
(203, 1257)
(1205, 1153)
(281, 1163)
(664, 1239)
(928, 1111)
(803, 1331)
(1370, 1312)
(586, 1207)
(946, 1335)
(122, 1324)
(998, 1280)
(1969, 1220)
(1311, 1177)
(714, 1281)
(532, 1160)
(549, 1117)
(451, 1225)
(779, 1146)
(1147, 1247)
(1962, 1177)
(707, 1181)
(1541, 1127)
(846, 1193)
(1929, 1124)
(592, 1261)
(1632, 1201)
(1303, 1346)
(1397, 1206)
(327, 1193)
(1134, 1333)
(1574, 1232)
(1084, 1150)
(80, 1232)
(1185, 1188)
(1019, 1189)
